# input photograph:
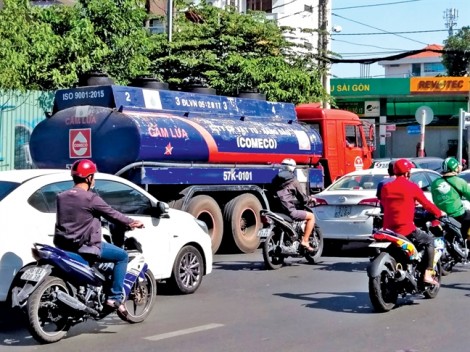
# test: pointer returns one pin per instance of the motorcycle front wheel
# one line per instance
(46, 320)
(141, 299)
(316, 242)
(273, 258)
(382, 292)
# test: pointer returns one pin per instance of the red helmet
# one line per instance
(83, 168)
(402, 166)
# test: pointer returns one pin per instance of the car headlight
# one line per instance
(202, 225)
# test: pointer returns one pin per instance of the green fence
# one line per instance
(19, 114)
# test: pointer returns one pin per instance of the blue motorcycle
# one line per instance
(62, 290)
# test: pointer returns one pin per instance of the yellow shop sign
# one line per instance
(439, 85)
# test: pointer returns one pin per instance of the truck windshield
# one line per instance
(6, 188)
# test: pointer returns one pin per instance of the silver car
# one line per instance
(341, 209)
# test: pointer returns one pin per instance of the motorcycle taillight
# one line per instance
(265, 220)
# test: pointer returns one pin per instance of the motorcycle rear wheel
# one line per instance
(46, 321)
(141, 299)
(316, 241)
(432, 291)
(273, 259)
(382, 294)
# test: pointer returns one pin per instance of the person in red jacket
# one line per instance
(398, 199)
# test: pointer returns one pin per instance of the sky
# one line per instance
(416, 23)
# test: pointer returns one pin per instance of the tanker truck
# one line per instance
(212, 156)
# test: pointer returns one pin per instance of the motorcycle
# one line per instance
(282, 236)
(397, 269)
(456, 250)
(62, 290)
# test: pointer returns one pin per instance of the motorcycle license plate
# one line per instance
(264, 233)
(380, 244)
(34, 274)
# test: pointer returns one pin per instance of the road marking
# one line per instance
(183, 332)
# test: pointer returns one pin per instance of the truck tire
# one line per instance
(206, 209)
(243, 221)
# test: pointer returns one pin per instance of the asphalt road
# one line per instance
(301, 307)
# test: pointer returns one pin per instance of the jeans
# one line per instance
(118, 256)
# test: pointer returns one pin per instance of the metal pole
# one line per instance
(421, 144)
(459, 147)
(170, 20)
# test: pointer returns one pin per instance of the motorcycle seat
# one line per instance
(285, 217)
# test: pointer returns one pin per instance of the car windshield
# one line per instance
(357, 182)
(6, 188)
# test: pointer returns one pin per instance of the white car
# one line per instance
(176, 246)
(341, 209)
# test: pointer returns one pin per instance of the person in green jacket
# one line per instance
(447, 192)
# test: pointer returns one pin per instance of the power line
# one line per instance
(373, 5)
(375, 33)
(382, 30)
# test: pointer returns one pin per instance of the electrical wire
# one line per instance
(375, 33)
(373, 5)
(382, 30)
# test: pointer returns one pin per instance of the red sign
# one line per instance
(80, 143)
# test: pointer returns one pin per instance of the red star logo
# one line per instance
(168, 149)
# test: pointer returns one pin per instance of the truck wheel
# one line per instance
(206, 209)
(242, 219)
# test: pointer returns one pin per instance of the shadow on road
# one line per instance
(348, 267)
(350, 302)
(14, 332)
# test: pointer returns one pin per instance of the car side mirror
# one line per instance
(161, 210)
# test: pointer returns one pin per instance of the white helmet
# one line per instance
(289, 164)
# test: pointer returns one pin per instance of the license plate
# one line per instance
(34, 274)
(264, 233)
(380, 244)
(342, 211)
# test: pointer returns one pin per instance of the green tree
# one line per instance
(231, 52)
(457, 59)
(49, 48)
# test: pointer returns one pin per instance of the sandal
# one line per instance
(121, 308)
(307, 247)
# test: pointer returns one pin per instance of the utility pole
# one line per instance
(451, 16)
(324, 14)
(169, 19)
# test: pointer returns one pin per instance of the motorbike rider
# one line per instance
(293, 199)
(78, 227)
(447, 193)
(398, 198)
(384, 181)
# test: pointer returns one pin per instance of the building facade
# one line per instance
(425, 64)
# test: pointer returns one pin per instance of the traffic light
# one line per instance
(465, 118)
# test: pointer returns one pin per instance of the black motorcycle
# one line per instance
(456, 250)
(282, 236)
(397, 269)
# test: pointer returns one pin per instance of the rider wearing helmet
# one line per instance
(293, 199)
(398, 198)
(447, 193)
(78, 226)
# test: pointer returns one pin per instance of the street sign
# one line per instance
(390, 128)
(424, 115)
(415, 129)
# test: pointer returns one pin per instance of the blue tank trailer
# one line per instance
(213, 156)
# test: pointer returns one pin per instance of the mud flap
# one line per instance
(379, 264)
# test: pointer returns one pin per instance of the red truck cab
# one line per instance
(348, 142)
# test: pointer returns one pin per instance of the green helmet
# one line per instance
(450, 165)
